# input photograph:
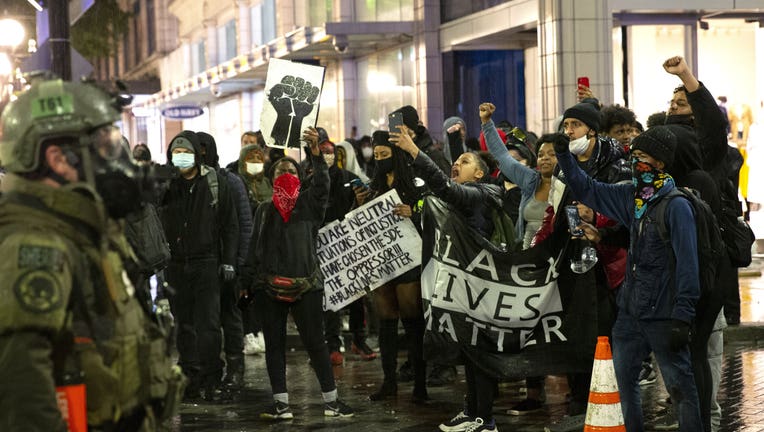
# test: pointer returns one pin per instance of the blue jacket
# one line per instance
(527, 179)
(648, 292)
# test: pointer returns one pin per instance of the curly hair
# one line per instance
(616, 115)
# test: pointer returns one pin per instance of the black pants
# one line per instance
(230, 319)
(251, 321)
(333, 325)
(195, 304)
(481, 391)
(308, 315)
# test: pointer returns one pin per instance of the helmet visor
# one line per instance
(107, 142)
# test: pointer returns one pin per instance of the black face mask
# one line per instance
(682, 119)
(384, 166)
(124, 185)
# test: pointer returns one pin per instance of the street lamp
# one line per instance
(11, 36)
(11, 33)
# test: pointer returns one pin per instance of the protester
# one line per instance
(421, 137)
(141, 153)
(618, 123)
(454, 138)
(656, 308)
(346, 159)
(230, 314)
(341, 200)
(203, 232)
(695, 118)
(538, 195)
(401, 297)
(251, 169)
(283, 275)
(465, 192)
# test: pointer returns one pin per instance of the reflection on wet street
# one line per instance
(741, 393)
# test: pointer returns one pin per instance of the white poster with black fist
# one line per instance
(293, 91)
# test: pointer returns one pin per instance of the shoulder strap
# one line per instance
(660, 214)
(212, 180)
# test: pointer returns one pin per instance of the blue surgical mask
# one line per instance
(183, 160)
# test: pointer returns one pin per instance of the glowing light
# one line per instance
(11, 33)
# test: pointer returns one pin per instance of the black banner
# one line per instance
(516, 313)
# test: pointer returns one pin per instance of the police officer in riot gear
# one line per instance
(68, 314)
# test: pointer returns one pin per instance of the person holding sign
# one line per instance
(471, 198)
(283, 275)
(401, 297)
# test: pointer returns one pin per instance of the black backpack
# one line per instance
(144, 232)
(709, 237)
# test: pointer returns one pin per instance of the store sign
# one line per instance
(182, 112)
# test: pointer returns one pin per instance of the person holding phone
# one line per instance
(656, 308)
(467, 192)
(418, 133)
(401, 297)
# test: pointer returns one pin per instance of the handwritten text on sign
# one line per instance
(370, 247)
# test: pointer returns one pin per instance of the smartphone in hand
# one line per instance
(356, 182)
(574, 220)
(583, 81)
(394, 120)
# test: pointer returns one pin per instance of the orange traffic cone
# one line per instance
(604, 411)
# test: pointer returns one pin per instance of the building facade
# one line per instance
(443, 57)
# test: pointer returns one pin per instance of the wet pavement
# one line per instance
(741, 393)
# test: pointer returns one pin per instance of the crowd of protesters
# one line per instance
(243, 252)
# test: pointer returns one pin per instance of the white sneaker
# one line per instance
(250, 344)
(259, 344)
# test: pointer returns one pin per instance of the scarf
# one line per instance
(649, 183)
(286, 189)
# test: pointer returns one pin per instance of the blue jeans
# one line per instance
(633, 340)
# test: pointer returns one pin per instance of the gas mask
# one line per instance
(122, 184)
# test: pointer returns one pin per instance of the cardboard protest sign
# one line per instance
(369, 247)
(293, 91)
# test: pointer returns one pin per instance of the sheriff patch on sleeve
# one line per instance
(38, 292)
(36, 257)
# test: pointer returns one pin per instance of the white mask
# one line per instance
(254, 168)
(329, 158)
(579, 146)
(367, 152)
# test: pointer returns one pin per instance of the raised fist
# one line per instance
(293, 98)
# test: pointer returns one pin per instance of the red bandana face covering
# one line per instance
(286, 188)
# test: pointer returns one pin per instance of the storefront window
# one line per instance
(386, 82)
(384, 10)
(650, 87)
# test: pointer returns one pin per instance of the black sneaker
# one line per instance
(441, 375)
(337, 409)
(459, 423)
(525, 407)
(278, 411)
(647, 375)
(406, 372)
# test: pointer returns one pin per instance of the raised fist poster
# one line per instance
(293, 92)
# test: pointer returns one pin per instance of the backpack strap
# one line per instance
(212, 180)
(660, 216)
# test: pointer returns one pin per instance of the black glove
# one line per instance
(561, 143)
(227, 272)
(679, 335)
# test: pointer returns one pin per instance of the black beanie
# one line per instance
(659, 142)
(381, 137)
(410, 116)
(585, 112)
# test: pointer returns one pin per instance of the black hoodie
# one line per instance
(194, 228)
